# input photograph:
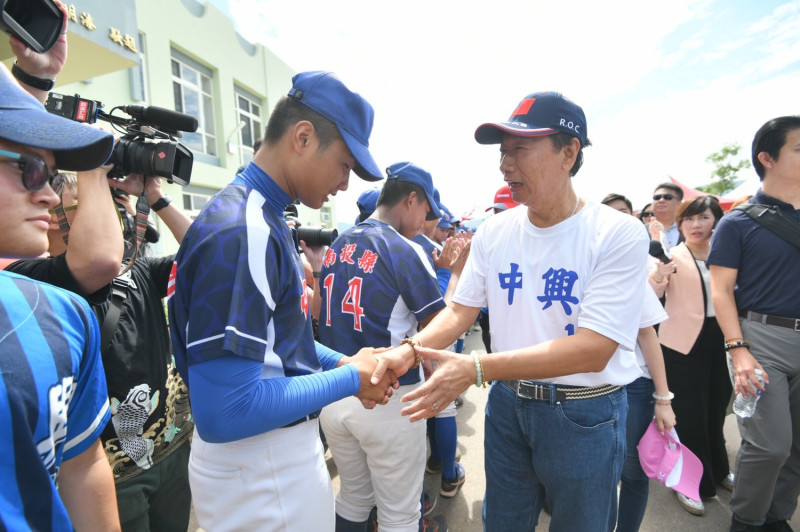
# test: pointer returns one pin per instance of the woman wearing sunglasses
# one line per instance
(693, 345)
(646, 214)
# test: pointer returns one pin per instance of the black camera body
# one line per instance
(148, 144)
(313, 236)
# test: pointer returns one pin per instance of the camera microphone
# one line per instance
(162, 118)
(657, 251)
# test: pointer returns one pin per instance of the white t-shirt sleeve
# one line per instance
(613, 298)
(652, 310)
(471, 289)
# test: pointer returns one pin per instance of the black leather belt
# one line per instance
(313, 415)
(541, 392)
(789, 323)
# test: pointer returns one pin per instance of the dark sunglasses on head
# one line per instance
(35, 173)
(647, 214)
(667, 197)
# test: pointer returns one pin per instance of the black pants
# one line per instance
(702, 390)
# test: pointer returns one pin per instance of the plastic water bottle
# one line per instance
(745, 406)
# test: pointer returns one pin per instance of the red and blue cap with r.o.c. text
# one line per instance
(538, 114)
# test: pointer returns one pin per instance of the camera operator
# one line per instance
(54, 403)
(146, 442)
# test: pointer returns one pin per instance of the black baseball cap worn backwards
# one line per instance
(538, 114)
(353, 115)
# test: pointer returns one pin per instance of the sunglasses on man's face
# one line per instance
(647, 214)
(35, 173)
(667, 197)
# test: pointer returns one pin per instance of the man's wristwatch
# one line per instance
(161, 203)
(33, 81)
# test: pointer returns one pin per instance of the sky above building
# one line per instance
(663, 83)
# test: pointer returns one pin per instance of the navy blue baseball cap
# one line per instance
(367, 202)
(353, 115)
(411, 173)
(538, 114)
(444, 223)
(24, 120)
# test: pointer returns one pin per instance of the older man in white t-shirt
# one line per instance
(563, 279)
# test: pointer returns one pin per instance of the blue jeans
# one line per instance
(635, 484)
(571, 451)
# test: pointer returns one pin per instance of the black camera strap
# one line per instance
(773, 219)
(142, 214)
(119, 291)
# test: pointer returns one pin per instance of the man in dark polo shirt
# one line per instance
(756, 296)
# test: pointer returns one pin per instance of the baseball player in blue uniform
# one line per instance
(442, 429)
(53, 401)
(241, 325)
(377, 288)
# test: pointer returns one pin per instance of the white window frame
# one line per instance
(246, 151)
(206, 122)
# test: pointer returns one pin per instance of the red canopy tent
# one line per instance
(690, 193)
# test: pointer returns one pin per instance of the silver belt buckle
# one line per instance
(524, 391)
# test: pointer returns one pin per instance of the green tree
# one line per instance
(725, 174)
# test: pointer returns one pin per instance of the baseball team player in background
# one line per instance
(378, 288)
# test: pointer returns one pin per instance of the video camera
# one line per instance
(148, 144)
(313, 236)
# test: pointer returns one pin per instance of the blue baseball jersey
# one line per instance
(238, 284)
(53, 399)
(376, 288)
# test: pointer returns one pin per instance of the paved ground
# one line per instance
(464, 510)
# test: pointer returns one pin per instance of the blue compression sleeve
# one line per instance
(443, 276)
(230, 400)
(328, 358)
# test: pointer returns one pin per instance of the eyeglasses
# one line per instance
(35, 173)
(667, 197)
(647, 214)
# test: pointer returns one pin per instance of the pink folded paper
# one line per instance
(666, 459)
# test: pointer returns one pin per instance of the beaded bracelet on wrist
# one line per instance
(478, 369)
(414, 343)
(737, 343)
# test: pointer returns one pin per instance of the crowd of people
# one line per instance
(115, 420)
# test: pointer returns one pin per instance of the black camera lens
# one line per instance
(316, 236)
(165, 158)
